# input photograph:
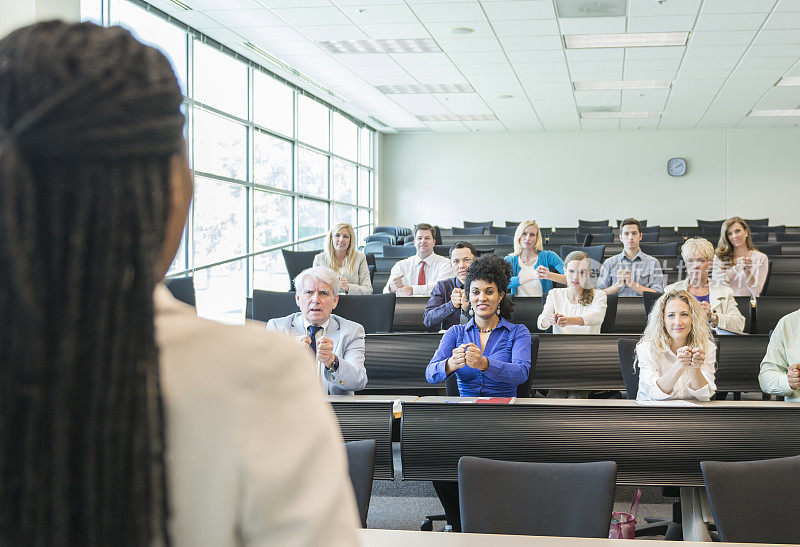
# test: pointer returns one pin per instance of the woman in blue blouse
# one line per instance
(533, 269)
(489, 355)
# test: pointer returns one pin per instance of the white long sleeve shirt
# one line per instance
(592, 314)
(743, 282)
(653, 364)
(436, 268)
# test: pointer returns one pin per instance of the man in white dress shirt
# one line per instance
(417, 275)
(337, 343)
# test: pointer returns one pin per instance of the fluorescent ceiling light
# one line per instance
(614, 115)
(413, 89)
(790, 81)
(457, 117)
(411, 45)
(462, 30)
(626, 84)
(762, 113)
(641, 39)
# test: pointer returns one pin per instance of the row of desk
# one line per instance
(653, 445)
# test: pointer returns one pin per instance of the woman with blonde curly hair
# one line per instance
(737, 263)
(676, 354)
(341, 256)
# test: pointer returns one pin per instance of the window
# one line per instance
(312, 122)
(273, 104)
(219, 145)
(312, 173)
(343, 213)
(272, 161)
(344, 181)
(219, 80)
(366, 139)
(220, 221)
(364, 187)
(312, 218)
(345, 137)
(273, 219)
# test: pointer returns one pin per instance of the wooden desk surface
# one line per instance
(404, 538)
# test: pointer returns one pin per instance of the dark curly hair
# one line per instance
(492, 269)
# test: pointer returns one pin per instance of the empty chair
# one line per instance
(510, 224)
(468, 224)
(296, 262)
(383, 238)
(659, 249)
(769, 309)
(371, 265)
(759, 237)
(649, 299)
(595, 229)
(273, 304)
(182, 288)
(393, 230)
(787, 237)
(650, 237)
(610, 319)
(753, 502)
(374, 248)
(504, 240)
(502, 230)
(710, 230)
(595, 252)
(770, 249)
(442, 250)
(765, 288)
(757, 222)
(627, 365)
(398, 251)
(361, 464)
(716, 224)
(591, 223)
(648, 229)
(473, 231)
(541, 499)
(374, 312)
(596, 238)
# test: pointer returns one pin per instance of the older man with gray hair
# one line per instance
(337, 343)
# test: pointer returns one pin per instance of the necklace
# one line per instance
(487, 330)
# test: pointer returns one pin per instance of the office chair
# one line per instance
(627, 364)
(542, 499)
(373, 248)
(374, 312)
(507, 240)
(595, 252)
(502, 230)
(361, 465)
(759, 237)
(787, 237)
(296, 262)
(611, 313)
(472, 231)
(273, 304)
(649, 299)
(765, 288)
(401, 251)
(770, 249)
(182, 288)
(651, 237)
(659, 249)
(371, 265)
(389, 239)
(580, 237)
(757, 222)
(488, 224)
(591, 223)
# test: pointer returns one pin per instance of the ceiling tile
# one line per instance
(670, 23)
(493, 78)
(691, 74)
(289, 3)
(420, 59)
(787, 5)
(737, 6)
(380, 15)
(487, 126)
(670, 65)
(599, 124)
(477, 58)
(465, 45)
(648, 74)
(778, 37)
(540, 68)
(592, 25)
(320, 33)
(731, 21)
(716, 52)
(721, 38)
(781, 63)
(782, 21)
(287, 49)
(599, 54)
(521, 126)
(420, 104)
(652, 100)
(787, 50)
(450, 11)
(639, 8)
(639, 123)
(448, 127)
(757, 121)
(531, 43)
(395, 31)
(206, 5)
(398, 78)
(366, 59)
(270, 34)
(536, 79)
(541, 56)
(442, 30)
(699, 63)
(666, 52)
(527, 27)
(201, 21)
(550, 89)
(598, 98)
(487, 69)
(511, 11)
(312, 16)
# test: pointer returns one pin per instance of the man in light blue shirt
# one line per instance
(631, 272)
(780, 368)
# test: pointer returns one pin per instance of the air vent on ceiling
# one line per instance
(592, 8)
(414, 130)
(376, 120)
(411, 45)
(457, 117)
(181, 5)
(413, 89)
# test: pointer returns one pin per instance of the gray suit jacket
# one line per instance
(348, 345)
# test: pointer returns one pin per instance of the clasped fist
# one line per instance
(468, 355)
(459, 298)
(706, 308)
(344, 283)
(691, 357)
(398, 287)
(325, 351)
(745, 262)
(543, 272)
(624, 277)
(793, 375)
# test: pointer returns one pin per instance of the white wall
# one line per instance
(18, 13)
(557, 178)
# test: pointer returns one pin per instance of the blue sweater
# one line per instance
(546, 258)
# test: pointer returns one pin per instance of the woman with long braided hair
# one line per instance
(124, 421)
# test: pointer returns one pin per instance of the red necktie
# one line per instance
(421, 278)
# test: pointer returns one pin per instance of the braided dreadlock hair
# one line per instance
(89, 121)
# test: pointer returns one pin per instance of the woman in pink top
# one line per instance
(737, 263)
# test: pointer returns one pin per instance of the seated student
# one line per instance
(489, 355)
(533, 269)
(127, 419)
(341, 256)
(716, 299)
(417, 275)
(676, 355)
(337, 343)
(578, 308)
(737, 263)
(448, 302)
(780, 368)
(631, 272)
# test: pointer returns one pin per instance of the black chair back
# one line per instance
(504, 240)
(398, 251)
(765, 288)
(386, 230)
(389, 239)
(527, 310)
(451, 386)
(787, 237)
(770, 249)
(651, 237)
(273, 304)
(591, 223)
(642, 222)
(540, 499)
(182, 288)
(296, 262)
(649, 300)
(442, 250)
(580, 237)
(473, 231)
(502, 230)
(374, 312)
(373, 248)
(611, 313)
(248, 308)
(487, 224)
(627, 364)
(595, 229)
(659, 249)
(769, 309)
(595, 252)
(510, 224)
(715, 224)
(759, 237)
(371, 265)
(654, 228)
(361, 464)
(711, 230)
(757, 222)
(437, 235)
(749, 499)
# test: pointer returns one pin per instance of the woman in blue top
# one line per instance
(489, 355)
(533, 270)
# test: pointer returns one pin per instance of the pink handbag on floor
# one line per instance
(623, 525)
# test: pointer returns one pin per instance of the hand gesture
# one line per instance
(474, 357)
(561, 320)
(744, 262)
(405, 290)
(344, 283)
(458, 359)
(396, 283)
(325, 351)
(793, 375)
(455, 297)
(624, 277)
(684, 356)
(706, 308)
(543, 272)
(304, 340)
(698, 357)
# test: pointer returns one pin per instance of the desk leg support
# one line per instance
(693, 516)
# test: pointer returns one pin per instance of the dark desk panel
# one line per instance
(769, 309)
(579, 361)
(398, 361)
(785, 263)
(739, 361)
(408, 312)
(784, 284)
(368, 417)
(630, 315)
(652, 445)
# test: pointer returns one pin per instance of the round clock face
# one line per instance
(676, 167)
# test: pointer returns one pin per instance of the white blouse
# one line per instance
(653, 364)
(742, 282)
(592, 314)
(358, 278)
(531, 288)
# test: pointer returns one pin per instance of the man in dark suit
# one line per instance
(448, 297)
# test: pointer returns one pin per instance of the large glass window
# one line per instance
(272, 159)
(313, 122)
(345, 137)
(219, 145)
(273, 219)
(344, 181)
(273, 104)
(312, 216)
(220, 221)
(219, 80)
(312, 173)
